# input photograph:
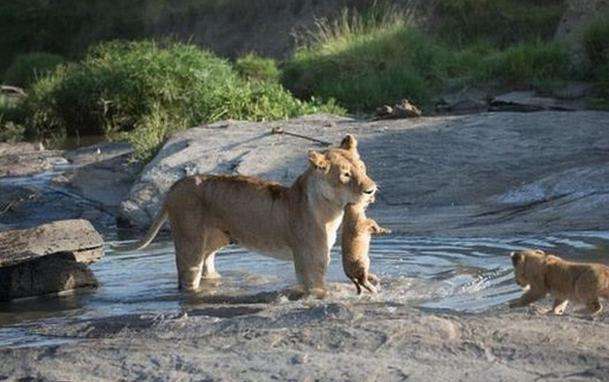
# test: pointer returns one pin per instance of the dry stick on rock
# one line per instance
(279, 130)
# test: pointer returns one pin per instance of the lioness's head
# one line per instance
(342, 174)
(529, 266)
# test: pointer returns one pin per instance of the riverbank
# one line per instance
(338, 339)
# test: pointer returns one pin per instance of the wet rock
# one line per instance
(47, 259)
(24, 159)
(88, 183)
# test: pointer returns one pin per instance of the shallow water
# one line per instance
(455, 274)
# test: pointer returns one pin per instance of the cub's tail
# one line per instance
(150, 235)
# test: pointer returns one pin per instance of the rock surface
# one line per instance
(525, 101)
(24, 159)
(66, 236)
(441, 175)
(46, 259)
(335, 340)
(86, 183)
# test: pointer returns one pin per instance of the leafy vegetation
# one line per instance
(26, 68)
(255, 68)
(500, 23)
(363, 63)
(150, 90)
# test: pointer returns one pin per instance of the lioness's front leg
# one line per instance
(528, 297)
(311, 266)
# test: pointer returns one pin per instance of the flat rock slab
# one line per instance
(66, 236)
(527, 101)
(48, 259)
(477, 174)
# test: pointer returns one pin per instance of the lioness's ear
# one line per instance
(318, 160)
(517, 257)
(349, 143)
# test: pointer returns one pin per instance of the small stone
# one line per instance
(300, 359)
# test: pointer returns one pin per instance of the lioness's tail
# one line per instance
(152, 231)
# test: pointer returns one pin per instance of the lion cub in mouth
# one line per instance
(544, 273)
(356, 233)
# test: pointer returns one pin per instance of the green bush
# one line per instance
(596, 41)
(255, 68)
(150, 89)
(365, 69)
(529, 63)
(11, 132)
(363, 64)
(26, 68)
(499, 22)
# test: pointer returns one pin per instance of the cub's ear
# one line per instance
(349, 143)
(318, 160)
(517, 258)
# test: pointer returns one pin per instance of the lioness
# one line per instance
(355, 243)
(297, 223)
(567, 281)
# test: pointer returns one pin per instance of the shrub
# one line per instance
(255, 68)
(11, 132)
(527, 63)
(499, 22)
(363, 64)
(149, 89)
(26, 68)
(596, 41)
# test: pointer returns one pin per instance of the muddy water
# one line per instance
(456, 274)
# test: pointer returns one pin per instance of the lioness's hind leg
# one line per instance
(594, 307)
(559, 306)
(214, 240)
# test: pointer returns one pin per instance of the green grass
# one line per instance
(501, 23)
(26, 68)
(147, 90)
(252, 67)
(364, 64)
(596, 43)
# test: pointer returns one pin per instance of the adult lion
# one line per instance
(296, 223)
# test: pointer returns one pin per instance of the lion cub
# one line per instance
(356, 233)
(581, 283)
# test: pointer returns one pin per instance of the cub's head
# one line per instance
(341, 174)
(529, 266)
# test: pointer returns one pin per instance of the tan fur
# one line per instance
(297, 223)
(355, 242)
(544, 273)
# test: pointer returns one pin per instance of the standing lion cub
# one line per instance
(581, 283)
(355, 243)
